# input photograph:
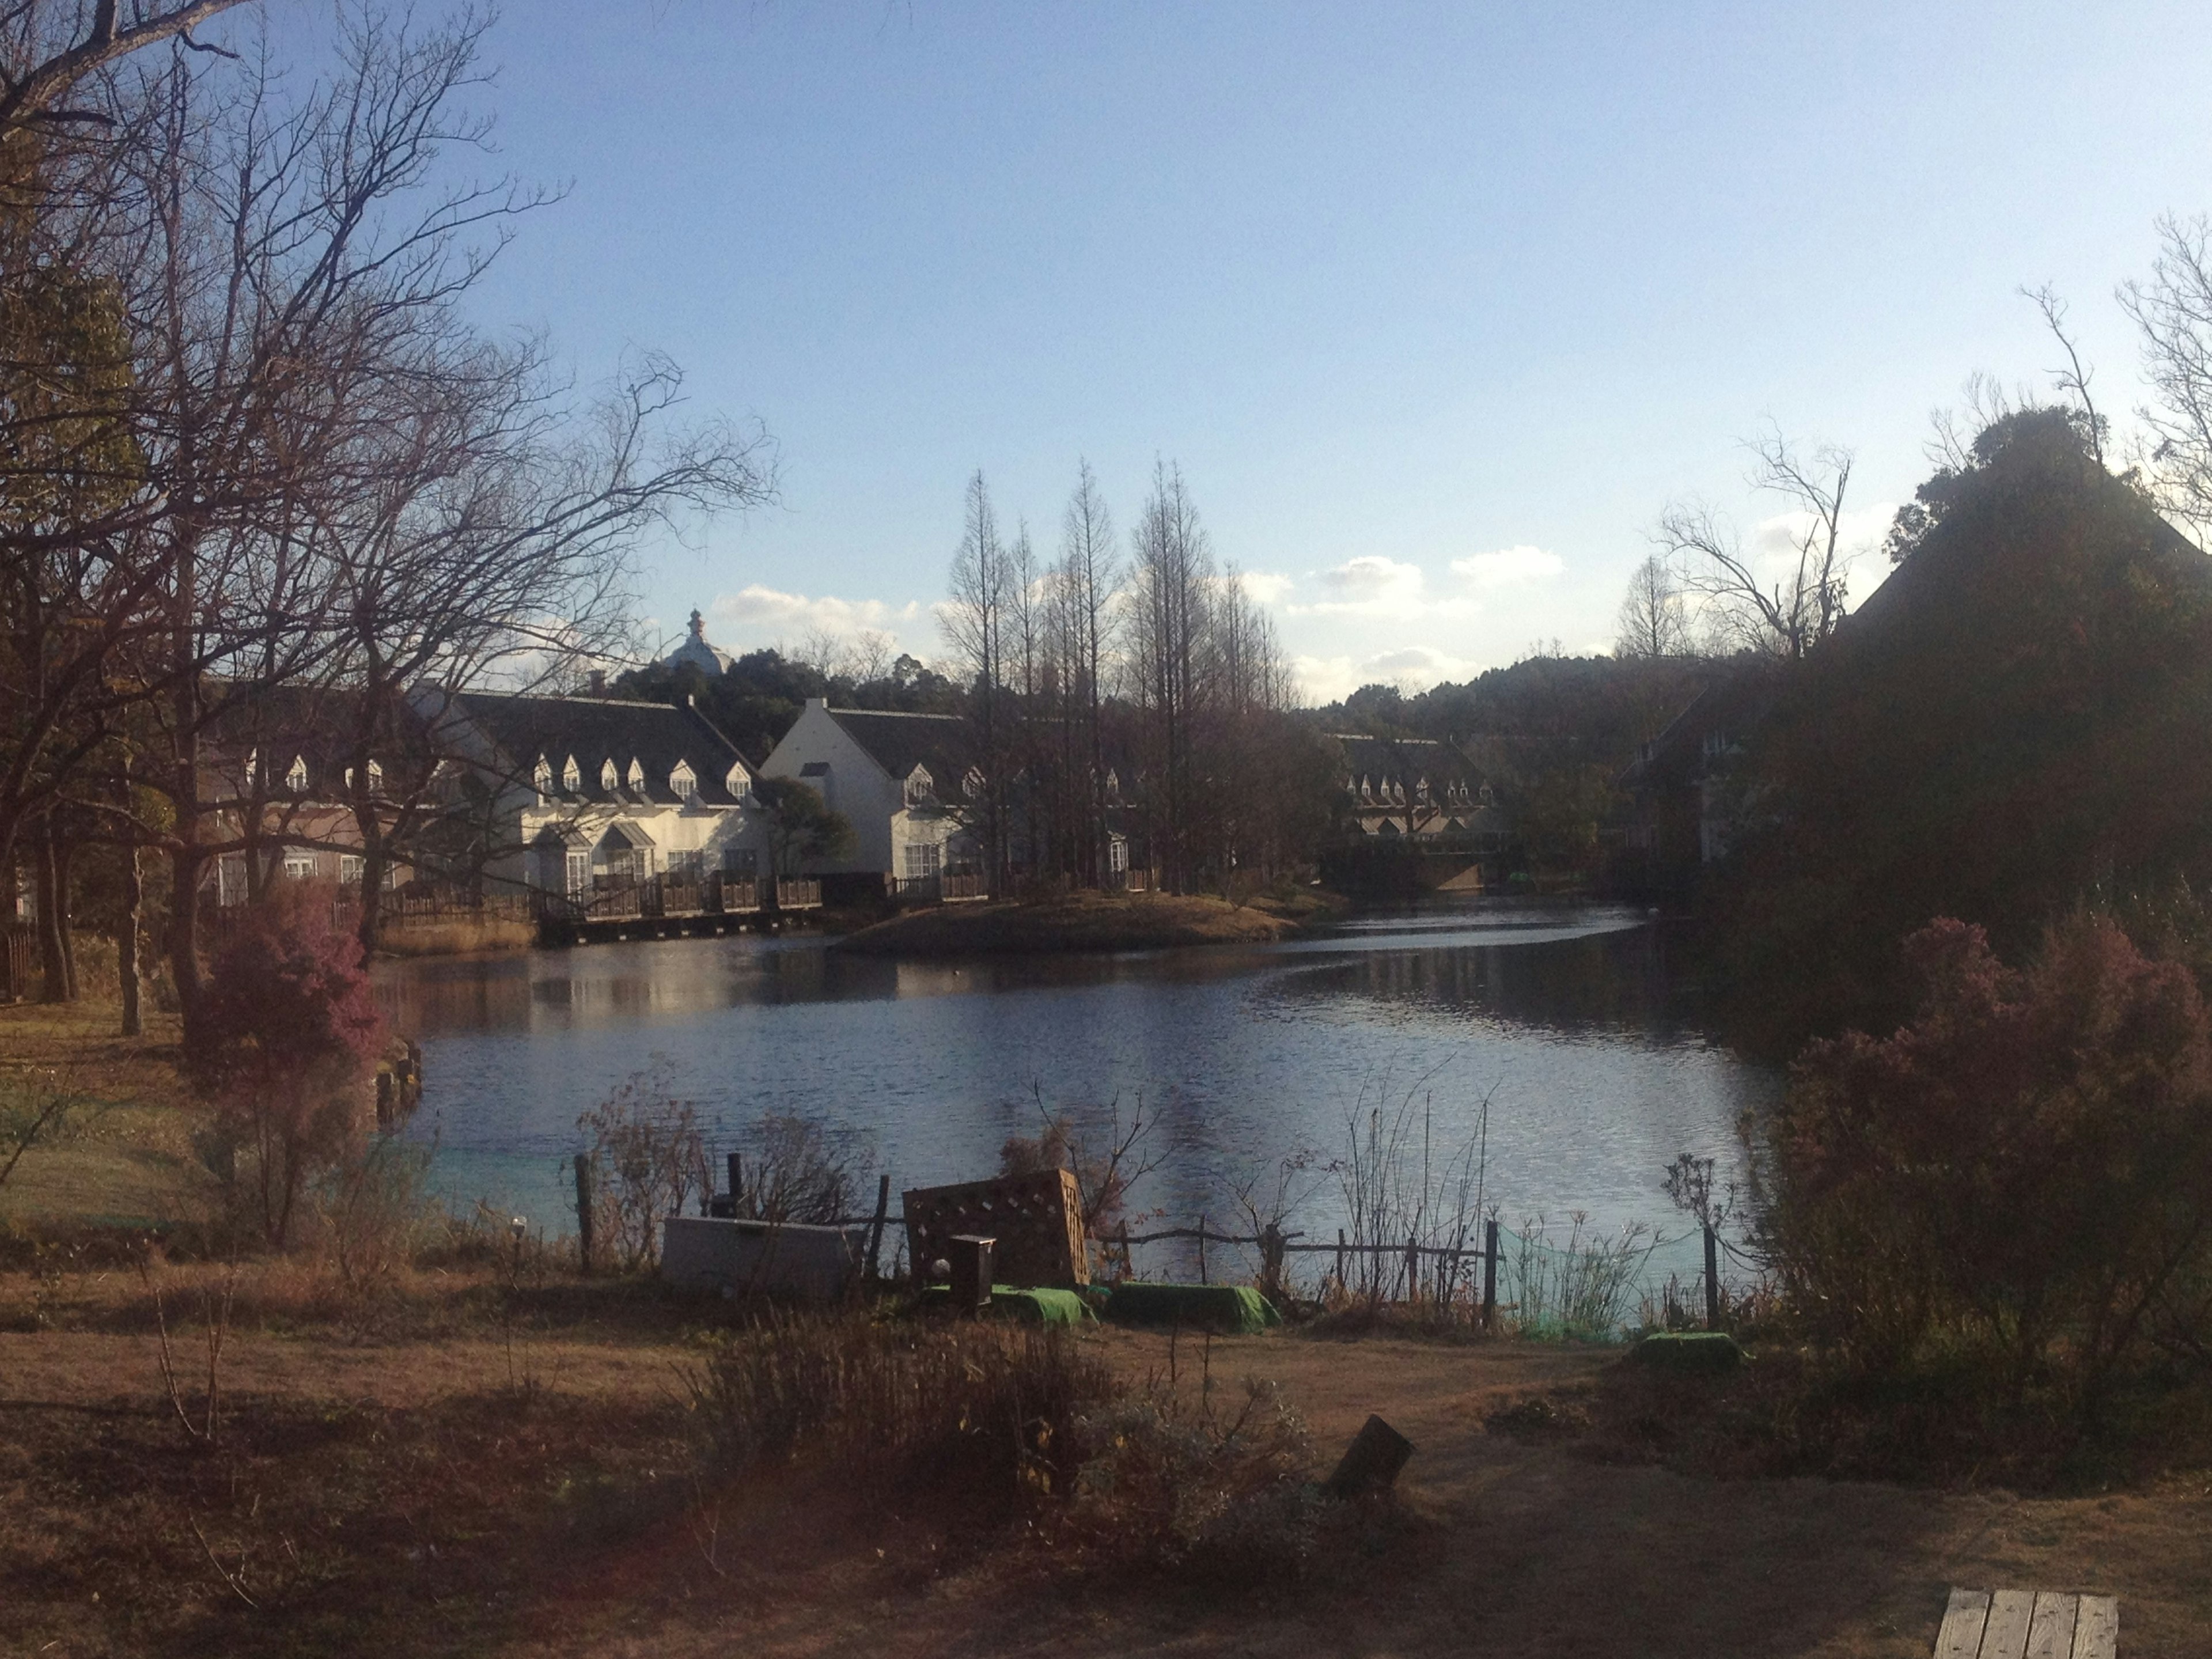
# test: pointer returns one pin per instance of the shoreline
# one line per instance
(1073, 923)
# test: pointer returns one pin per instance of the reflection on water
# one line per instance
(1244, 1055)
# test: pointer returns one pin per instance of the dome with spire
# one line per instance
(697, 651)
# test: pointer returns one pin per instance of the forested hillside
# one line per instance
(2019, 721)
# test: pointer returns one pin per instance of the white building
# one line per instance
(588, 799)
(901, 781)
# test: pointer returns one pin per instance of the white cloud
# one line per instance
(756, 616)
(1409, 667)
(1369, 585)
(1509, 567)
(1264, 587)
(1774, 540)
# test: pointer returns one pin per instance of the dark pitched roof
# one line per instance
(1404, 759)
(596, 730)
(898, 742)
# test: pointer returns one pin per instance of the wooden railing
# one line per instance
(621, 898)
(798, 895)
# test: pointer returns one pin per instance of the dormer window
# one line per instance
(972, 785)
(375, 779)
(572, 776)
(738, 782)
(296, 778)
(636, 777)
(683, 781)
(1113, 785)
(541, 777)
(1421, 792)
(918, 786)
(609, 778)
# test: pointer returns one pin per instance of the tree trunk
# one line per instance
(126, 942)
(57, 963)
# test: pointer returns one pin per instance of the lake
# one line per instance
(1562, 1018)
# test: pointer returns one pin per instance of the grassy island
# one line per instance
(1089, 921)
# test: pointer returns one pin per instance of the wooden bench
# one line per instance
(2029, 1624)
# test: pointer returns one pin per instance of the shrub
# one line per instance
(1189, 1489)
(795, 1170)
(984, 1409)
(283, 1039)
(648, 1157)
(2023, 1172)
(373, 1209)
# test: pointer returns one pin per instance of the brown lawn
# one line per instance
(458, 1468)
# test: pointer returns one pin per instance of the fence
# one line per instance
(625, 898)
(18, 960)
(1586, 1288)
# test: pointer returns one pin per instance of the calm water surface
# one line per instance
(1561, 1017)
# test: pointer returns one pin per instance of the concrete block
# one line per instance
(786, 1260)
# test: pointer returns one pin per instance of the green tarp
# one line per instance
(1201, 1307)
(1039, 1307)
(1024, 1306)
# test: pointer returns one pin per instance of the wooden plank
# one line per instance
(2005, 1637)
(2050, 1625)
(1961, 1635)
(2097, 1629)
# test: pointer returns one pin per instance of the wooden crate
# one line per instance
(1036, 1218)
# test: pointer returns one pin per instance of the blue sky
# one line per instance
(1435, 305)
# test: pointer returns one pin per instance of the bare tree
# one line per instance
(49, 47)
(1090, 579)
(2173, 312)
(1805, 602)
(1172, 571)
(2073, 378)
(1654, 622)
(974, 622)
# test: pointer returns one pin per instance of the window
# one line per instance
(375, 779)
(919, 859)
(572, 776)
(580, 872)
(299, 866)
(296, 778)
(687, 868)
(738, 781)
(683, 781)
(541, 777)
(740, 862)
(1421, 792)
(349, 869)
(1117, 853)
(608, 776)
(918, 786)
(972, 785)
(636, 777)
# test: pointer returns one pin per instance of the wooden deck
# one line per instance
(2012, 1624)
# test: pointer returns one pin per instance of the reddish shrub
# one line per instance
(2025, 1168)
(284, 1037)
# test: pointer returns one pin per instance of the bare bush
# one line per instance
(796, 1169)
(373, 1210)
(984, 1409)
(648, 1157)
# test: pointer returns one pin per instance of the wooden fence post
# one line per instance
(1712, 1282)
(1489, 1275)
(737, 1179)
(1201, 1249)
(1413, 1269)
(1341, 1284)
(875, 1226)
(584, 1211)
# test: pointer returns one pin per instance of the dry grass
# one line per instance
(450, 936)
(1072, 922)
(478, 1460)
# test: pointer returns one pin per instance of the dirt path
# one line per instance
(1537, 1550)
(1517, 1548)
